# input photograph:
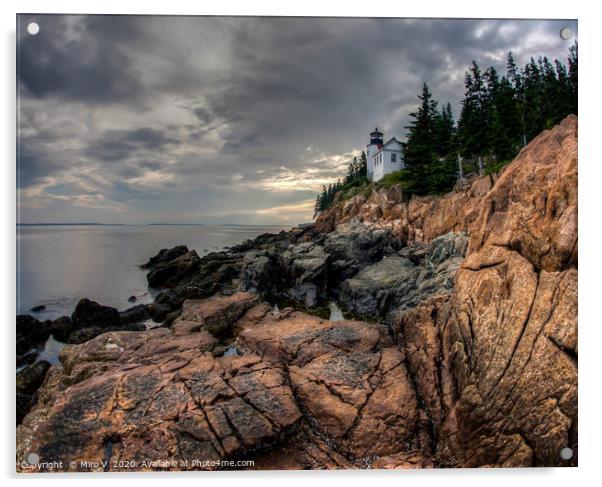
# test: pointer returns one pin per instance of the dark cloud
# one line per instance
(119, 145)
(191, 115)
(203, 115)
(79, 59)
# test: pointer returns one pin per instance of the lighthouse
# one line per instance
(383, 157)
(375, 144)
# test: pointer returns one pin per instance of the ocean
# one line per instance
(59, 264)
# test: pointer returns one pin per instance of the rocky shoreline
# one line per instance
(460, 349)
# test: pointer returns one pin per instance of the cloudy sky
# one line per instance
(235, 120)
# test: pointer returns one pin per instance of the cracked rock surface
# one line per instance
(157, 396)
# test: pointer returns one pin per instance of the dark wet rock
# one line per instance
(158, 312)
(311, 271)
(164, 256)
(402, 281)
(84, 334)
(28, 381)
(31, 378)
(135, 314)
(216, 272)
(171, 317)
(298, 273)
(89, 313)
(31, 333)
(61, 328)
(27, 358)
(171, 298)
(38, 308)
(358, 242)
(169, 273)
(133, 327)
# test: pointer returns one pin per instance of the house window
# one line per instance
(393, 157)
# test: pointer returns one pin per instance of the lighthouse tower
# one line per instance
(376, 143)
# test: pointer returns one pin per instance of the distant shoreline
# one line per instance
(156, 224)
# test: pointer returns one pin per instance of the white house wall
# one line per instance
(381, 169)
(370, 151)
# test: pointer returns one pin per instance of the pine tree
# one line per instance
(533, 88)
(573, 77)
(516, 79)
(444, 132)
(419, 151)
(352, 171)
(472, 126)
(564, 101)
(323, 199)
(363, 165)
(317, 206)
(422, 130)
(505, 124)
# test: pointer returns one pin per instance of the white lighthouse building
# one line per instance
(383, 158)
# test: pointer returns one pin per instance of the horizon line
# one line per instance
(158, 224)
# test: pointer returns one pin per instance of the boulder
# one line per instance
(27, 358)
(403, 281)
(89, 313)
(218, 313)
(135, 314)
(360, 242)
(165, 255)
(61, 328)
(84, 334)
(298, 273)
(28, 382)
(169, 273)
(31, 333)
(158, 312)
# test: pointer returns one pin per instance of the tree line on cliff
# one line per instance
(499, 115)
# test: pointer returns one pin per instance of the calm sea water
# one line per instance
(59, 264)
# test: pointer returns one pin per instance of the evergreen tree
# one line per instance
(317, 206)
(573, 77)
(516, 79)
(505, 127)
(564, 103)
(444, 132)
(472, 126)
(363, 165)
(323, 199)
(352, 171)
(533, 91)
(422, 130)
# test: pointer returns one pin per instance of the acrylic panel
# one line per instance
(285, 243)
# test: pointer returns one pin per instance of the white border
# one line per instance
(590, 183)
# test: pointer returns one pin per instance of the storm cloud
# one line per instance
(230, 119)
